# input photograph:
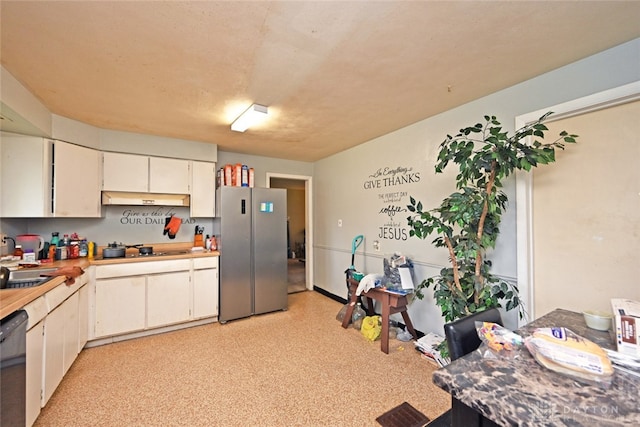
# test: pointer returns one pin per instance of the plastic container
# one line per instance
(245, 176)
(30, 242)
(357, 316)
(17, 251)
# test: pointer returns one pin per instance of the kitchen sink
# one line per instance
(28, 278)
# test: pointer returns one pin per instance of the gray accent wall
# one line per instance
(351, 187)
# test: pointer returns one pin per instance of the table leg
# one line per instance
(386, 311)
(349, 313)
(408, 323)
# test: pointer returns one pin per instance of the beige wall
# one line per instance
(586, 214)
(295, 212)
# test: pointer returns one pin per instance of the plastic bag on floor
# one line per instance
(371, 327)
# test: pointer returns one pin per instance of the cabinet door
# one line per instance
(83, 316)
(170, 176)
(205, 293)
(119, 305)
(53, 351)
(35, 352)
(70, 352)
(76, 181)
(167, 298)
(125, 172)
(203, 189)
(25, 177)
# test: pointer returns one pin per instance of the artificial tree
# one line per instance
(467, 222)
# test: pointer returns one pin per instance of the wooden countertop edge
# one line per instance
(14, 299)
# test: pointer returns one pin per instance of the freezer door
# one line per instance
(236, 291)
(270, 249)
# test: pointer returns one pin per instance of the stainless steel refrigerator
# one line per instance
(253, 251)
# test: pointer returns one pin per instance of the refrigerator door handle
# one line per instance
(243, 206)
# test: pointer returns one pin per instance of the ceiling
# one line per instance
(334, 74)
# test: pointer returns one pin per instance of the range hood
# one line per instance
(110, 198)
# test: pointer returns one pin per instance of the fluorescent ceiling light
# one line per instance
(253, 115)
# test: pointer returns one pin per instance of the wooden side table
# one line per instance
(391, 303)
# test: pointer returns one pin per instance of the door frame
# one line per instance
(524, 182)
(308, 219)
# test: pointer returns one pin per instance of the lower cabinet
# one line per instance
(139, 296)
(168, 299)
(120, 305)
(54, 339)
(60, 344)
(205, 287)
(35, 355)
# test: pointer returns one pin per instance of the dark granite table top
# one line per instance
(520, 392)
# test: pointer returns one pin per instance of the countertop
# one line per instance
(521, 392)
(14, 299)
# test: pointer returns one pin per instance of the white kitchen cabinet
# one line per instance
(205, 287)
(168, 299)
(125, 172)
(35, 354)
(83, 316)
(136, 297)
(60, 344)
(54, 325)
(203, 189)
(76, 181)
(25, 176)
(45, 178)
(120, 305)
(71, 331)
(169, 176)
(144, 174)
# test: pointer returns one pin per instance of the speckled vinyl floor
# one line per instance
(289, 368)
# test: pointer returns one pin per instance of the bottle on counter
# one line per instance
(207, 243)
(74, 250)
(52, 252)
(84, 248)
(55, 239)
(65, 240)
(17, 251)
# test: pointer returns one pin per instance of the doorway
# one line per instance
(299, 234)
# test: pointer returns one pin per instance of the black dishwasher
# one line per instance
(13, 368)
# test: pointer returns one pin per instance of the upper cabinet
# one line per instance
(25, 176)
(168, 175)
(47, 178)
(125, 172)
(76, 181)
(203, 189)
(144, 174)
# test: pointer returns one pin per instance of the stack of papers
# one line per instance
(427, 345)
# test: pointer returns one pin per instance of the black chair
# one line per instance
(462, 338)
(461, 334)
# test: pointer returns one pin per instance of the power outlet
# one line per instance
(3, 240)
